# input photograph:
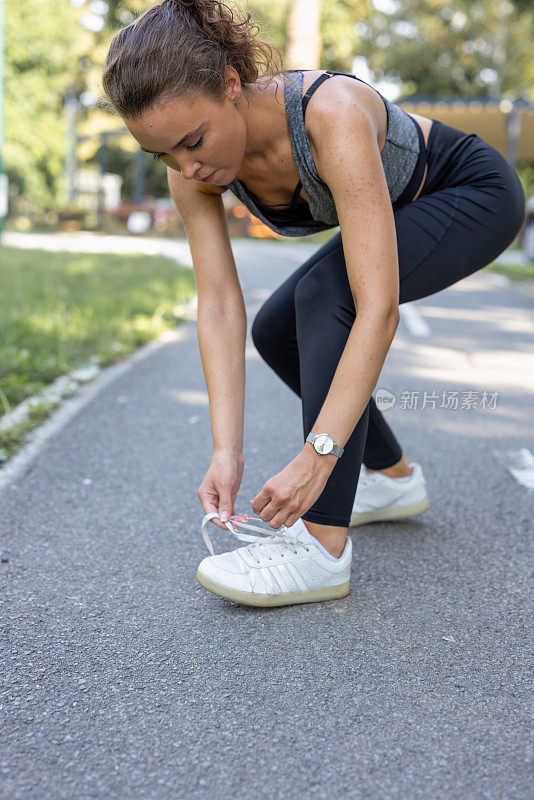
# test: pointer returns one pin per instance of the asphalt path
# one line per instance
(123, 678)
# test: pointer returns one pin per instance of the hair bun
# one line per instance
(200, 10)
(183, 48)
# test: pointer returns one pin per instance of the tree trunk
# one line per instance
(304, 35)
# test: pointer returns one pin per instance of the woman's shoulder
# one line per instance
(342, 94)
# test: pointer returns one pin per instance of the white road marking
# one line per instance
(414, 321)
(521, 466)
(496, 279)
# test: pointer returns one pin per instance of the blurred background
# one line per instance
(76, 190)
(70, 166)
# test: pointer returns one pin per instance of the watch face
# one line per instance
(323, 443)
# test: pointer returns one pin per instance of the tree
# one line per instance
(431, 47)
(448, 47)
(45, 52)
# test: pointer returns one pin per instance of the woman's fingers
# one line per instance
(262, 499)
(209, 507)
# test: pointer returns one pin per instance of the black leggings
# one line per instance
(471, 208)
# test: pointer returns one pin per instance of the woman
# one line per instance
(420, 206)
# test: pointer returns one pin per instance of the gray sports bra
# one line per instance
(403, 158)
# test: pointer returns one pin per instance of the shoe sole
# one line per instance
(289, 598)
(385, 514)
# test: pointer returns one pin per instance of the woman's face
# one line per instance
(214, 134)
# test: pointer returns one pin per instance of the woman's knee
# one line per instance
(271, 326)
(260, 330)
(308, 290)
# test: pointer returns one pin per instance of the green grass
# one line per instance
(58, 310)
(516, 272)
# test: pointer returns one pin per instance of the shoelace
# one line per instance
(273, 536)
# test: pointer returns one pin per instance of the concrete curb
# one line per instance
(78, 396)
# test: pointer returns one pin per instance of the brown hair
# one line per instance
(181, 48)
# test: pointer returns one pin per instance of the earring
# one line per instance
(237, 101)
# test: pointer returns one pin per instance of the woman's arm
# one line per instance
(349, 162)
(351, 166)
(354, 380)
(221, 316)
(221, 338)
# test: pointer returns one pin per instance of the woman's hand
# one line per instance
(289, 494)
(220, 485)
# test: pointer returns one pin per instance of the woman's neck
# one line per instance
(265, 119)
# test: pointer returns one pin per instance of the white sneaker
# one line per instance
(289, 566)
(379, 497)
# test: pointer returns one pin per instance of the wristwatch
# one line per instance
(324, 444)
